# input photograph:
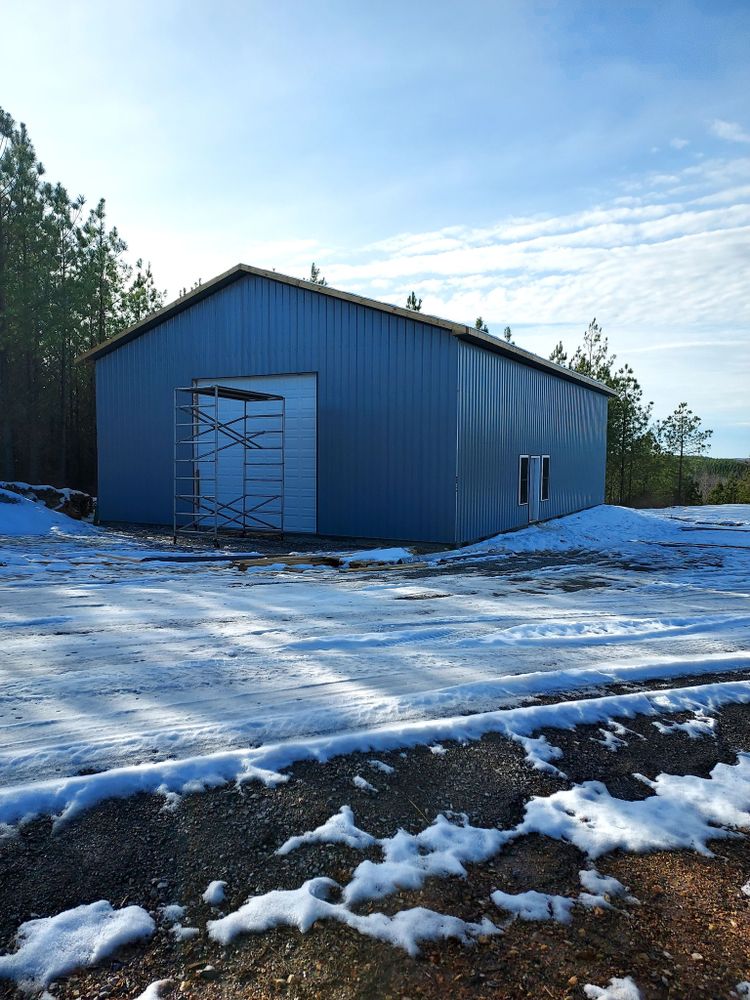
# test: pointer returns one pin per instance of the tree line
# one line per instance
(648, 462)
(730, 486)
(64, 287)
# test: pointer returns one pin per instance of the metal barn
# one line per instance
(260, 402)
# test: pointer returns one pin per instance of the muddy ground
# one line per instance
(689, 937)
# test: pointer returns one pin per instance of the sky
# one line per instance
(536, 163)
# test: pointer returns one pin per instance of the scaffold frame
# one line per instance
(204, 431)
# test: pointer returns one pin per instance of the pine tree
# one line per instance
(507, 335)
(479, 324)
(634, 463)
(592, 358)
(559, 355)
(25, 280)
(7, 133)
(140, 297)
(719, 494)
(316, 278)
(186, 291)
(64, 315)
(414, 303)
(681, 435)
(64, 286)
(627, 423)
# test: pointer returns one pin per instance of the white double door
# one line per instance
(535, 487)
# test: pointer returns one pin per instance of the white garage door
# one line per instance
(300, 445)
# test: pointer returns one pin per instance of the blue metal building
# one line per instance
(397, 425)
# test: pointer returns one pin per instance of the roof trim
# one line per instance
(459, 330)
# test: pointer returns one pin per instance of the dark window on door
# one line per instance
(544, 494)
(523, 479)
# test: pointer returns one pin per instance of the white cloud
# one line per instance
(662, 264)
(731, 131)
(678, 143)
(664, 269)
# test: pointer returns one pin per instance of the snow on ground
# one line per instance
(154, 991)
(618, 989)
(66, 797)
(339, 829)
(699, 726)
(21, 517)
(305, 906)
(214, 894)
(53, 946)
(621, 529)
(392, 555)
(169, 671)
(684, 812)
(172, 676)
(172, 916)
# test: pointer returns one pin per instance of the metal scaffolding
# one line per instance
(228, 461)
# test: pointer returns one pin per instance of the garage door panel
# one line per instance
(300, 446)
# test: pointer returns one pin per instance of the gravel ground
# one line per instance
(687, 938)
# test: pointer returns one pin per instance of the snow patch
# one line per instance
(380, 765)
(363, 784)
(303, 907)
(685, 811)
(700, 725)
(621, 530)
(392, 555)
(439, 850)
(50, 947)
(215, 893)
(618, 989)
(339, 829)
(20, 516)
(610, 740)
(533, 905)
(153, 992)
(181, 933)
(172, 914)
(604, 885)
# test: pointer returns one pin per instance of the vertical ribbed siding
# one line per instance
(507, 409)
(386, 405)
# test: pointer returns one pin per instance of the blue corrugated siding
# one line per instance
(386, 405)
(507, 409)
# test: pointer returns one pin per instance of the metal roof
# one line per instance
(459, 330)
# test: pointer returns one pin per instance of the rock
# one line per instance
(73, 503)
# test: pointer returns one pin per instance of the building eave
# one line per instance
(458, 330)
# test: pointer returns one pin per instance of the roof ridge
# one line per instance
(460, 330)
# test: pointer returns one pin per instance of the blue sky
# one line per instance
(535, 163)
